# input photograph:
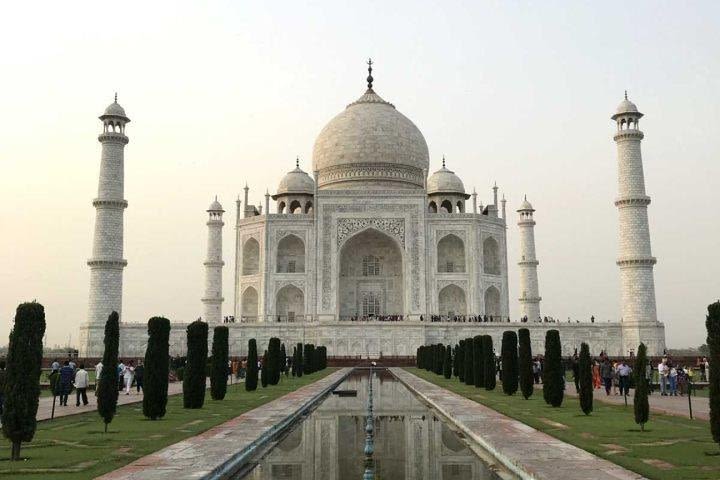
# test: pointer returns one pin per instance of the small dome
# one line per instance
(526, 206)
(296, 181)
(444, 181)
(215, 206)
(114, 110)
(626, 106)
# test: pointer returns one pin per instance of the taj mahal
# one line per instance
(374, 253)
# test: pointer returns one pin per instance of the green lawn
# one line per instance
(672, 448)
(75, 447)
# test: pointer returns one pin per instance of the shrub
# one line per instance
(251, 377)
(107, 389)
(454, 355)
(525, 363)
(553, 373)
(447, 365)
(489, 362)
(509, 355)
(300, 366)
(641, 407)
(439, 358)
(585, 379)
(478, 362)
(264, 370)
(322, 357)
(272, 359)
(460, 361)
(283, 360)
(219, 368)
(155, 381)
(22, 378)
(469, 366)
(195, 368)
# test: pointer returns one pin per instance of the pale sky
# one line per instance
(223, 93)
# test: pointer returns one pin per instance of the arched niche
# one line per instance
(290, 303)
(251, 257)
(492, 301)
(491, 256)
(451, 301)
(451, 254)
(250, 303)
(290, 255)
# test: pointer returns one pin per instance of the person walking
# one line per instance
(606, 372)
(575, 363)
(55, 367)
(139, 372)
(596, 379)
(128, 375)
(98, 371)
(663, 372)
(623, 372)
(81, 385)
(672, 376)
(67, 375)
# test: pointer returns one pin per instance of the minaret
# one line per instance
(635, 261)
(107, 263)
(529, 291)
(212, 300)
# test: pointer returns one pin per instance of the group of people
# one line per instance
(614, 376)
(465, 318)
(376, 318)
(67, 376)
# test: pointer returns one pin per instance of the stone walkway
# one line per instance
(213, 451)
(677, 406)
(527, 452)
(45, 406)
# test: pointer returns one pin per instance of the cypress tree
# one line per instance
(300, 366)
(509, 355)
(447, 365)
(553, 374)
(432, 357)
(460, 361)
(525, 363)
(439, 364)
(107, 394)
(323, 357)
(489, 356)
(157, 368)
(264, 370)
(712, 324)
(641, 407)
(585, 379)
(293, 370)
(218, 371)
(22, 377)
(478, 371)
(195, 377)
(455, 362)
(273, 361)
(251, 376)
(283, 360)
(469, 371)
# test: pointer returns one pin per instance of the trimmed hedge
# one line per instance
(525, 363)
(509, 356)
(219, 368)
(553, 373)
(585, 379)
(251, 377)
(195, 369)
(107, 390)
(157, 368)
(641, 407)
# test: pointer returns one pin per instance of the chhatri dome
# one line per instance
(370, 145)
(626, 106)
(115, 110)
(444, 181)
(296, 181)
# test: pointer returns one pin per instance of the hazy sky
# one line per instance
(223, 93)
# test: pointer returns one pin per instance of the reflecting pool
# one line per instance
(410, 441)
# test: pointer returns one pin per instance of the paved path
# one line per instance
(677, 406)
(45, 407)
(215, 450)
(526, 451)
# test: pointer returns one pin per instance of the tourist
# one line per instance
(81, 384)
(707, 369)
(597, 380)
(98, 371)
(2, 385)
(67, 375)
(623, 373)
(537, 369)
(128, 375)
(672, 377)
(139, 373)
(700, 363)
(72, 364)
(663, 372)
(648, 377)
(606, 372)
(55, 367)
(120, 371)
(575, 364)
(683, 378)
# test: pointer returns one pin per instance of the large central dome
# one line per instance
(370, 145)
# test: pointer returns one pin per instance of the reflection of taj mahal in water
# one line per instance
(410, 442)
(359, 255)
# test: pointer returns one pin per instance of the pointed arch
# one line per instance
(290, 255)
(492, 301)
(491, 256)
(432, 207)
(295, 207)
(446, 206)
(251, 257)
(452, 301)
(250, 304)
(451, 254)
(290, 303)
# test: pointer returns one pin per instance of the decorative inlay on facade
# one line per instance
(459, 283)
(395, 227)
(280, 284)
(369, 172)
(440, 234)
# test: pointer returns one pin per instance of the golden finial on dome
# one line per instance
(370, 77)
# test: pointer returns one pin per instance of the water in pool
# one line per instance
(410, 442)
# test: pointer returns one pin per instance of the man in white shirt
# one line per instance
(624, 378)
(81, 384)
(663, 372)
(98, 371)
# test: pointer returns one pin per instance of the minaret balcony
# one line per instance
(529, 263)
(628, 135)
(636, 261)
(214, 263)
(113, 137)
(635, 200)
(111, 263)
(110, 203)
